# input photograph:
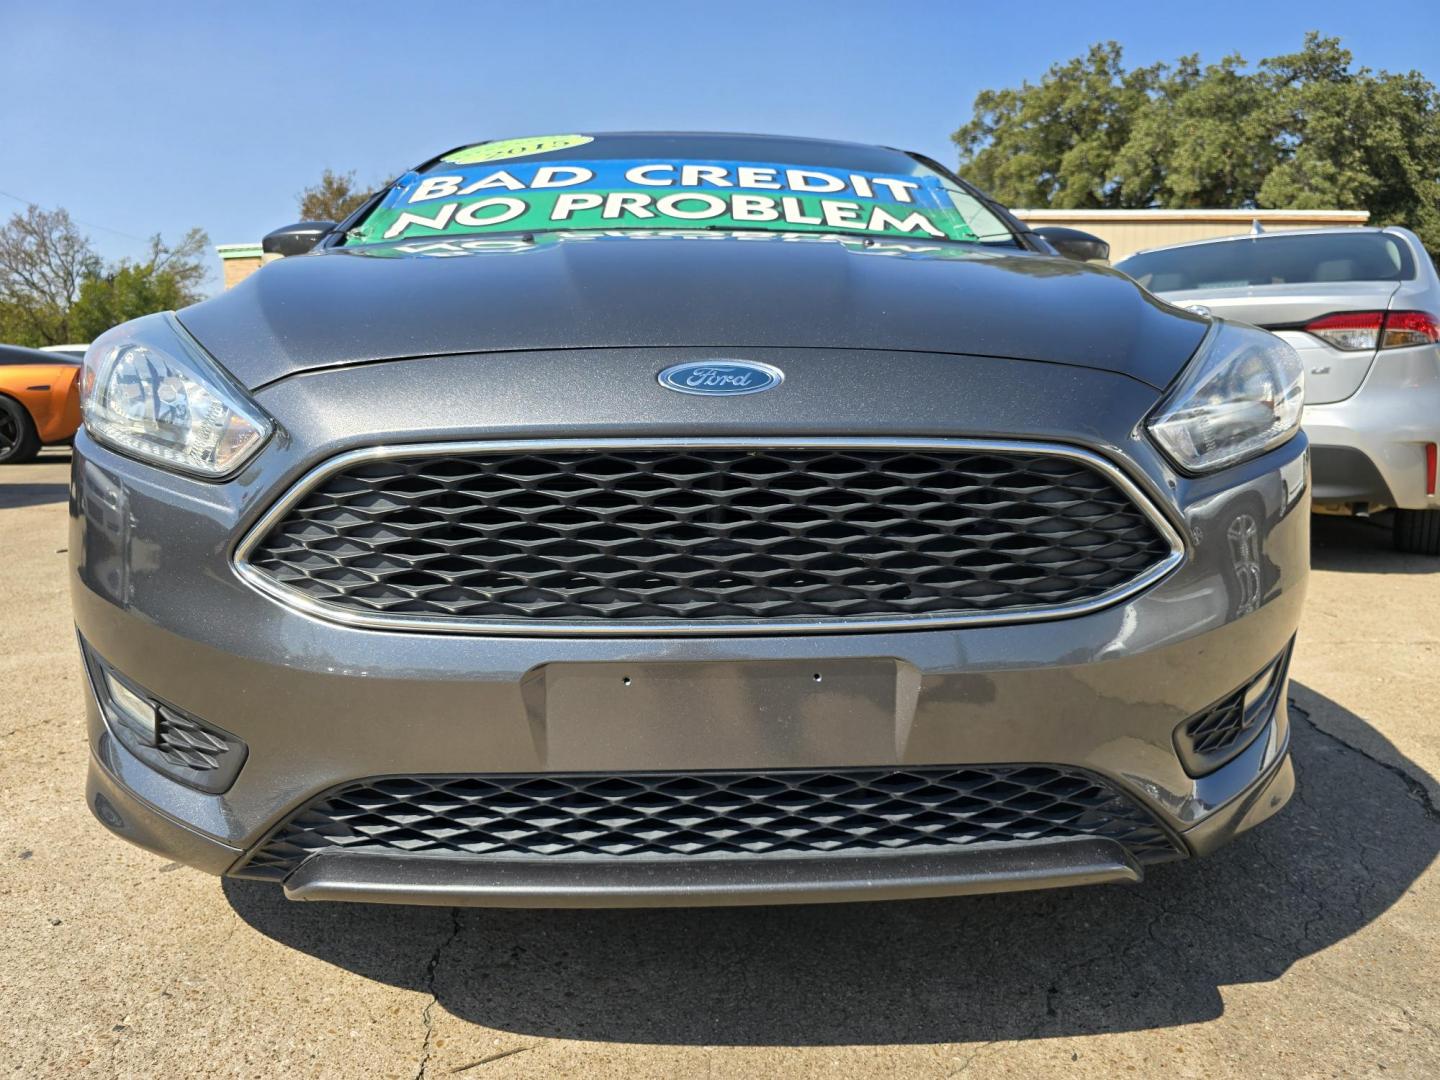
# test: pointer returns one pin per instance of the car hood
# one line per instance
(724, 291)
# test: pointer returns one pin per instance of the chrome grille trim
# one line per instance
(298, 601)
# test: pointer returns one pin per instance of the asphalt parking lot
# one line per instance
(1308, 948)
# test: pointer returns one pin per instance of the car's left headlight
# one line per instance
(1241, 395)
(148, 389)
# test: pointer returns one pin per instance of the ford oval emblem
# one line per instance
(721, 377)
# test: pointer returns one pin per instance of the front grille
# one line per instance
(623, 537)
(711, 815)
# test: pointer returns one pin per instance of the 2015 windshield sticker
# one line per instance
(649, 194)
(501, 149)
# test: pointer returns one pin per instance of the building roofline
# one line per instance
(1334, 217)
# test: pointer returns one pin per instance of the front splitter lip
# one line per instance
(688, 882)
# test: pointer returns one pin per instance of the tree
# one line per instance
(334, 198)
(54, 288)
(44, 259)
(1359, 140)
(1302, 131)
(171, 277)
(1053, 144)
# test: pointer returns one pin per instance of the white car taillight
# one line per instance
(1357, 331)
(1409, 328)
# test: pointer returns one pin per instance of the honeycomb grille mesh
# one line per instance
(608, 535)
(711, 814)
(181, 740)
(1220, 727)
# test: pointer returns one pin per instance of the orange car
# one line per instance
(39, 401)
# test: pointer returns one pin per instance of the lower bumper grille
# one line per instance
(592, 816)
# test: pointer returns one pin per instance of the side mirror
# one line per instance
(296, 239)
(1074, 244)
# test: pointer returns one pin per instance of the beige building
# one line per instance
(238, 261)
(1126, 231)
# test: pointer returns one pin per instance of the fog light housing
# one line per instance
(171, 741)
(1219, 734)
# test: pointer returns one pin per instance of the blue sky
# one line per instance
(157, 117)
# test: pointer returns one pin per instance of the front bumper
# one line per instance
(320, 705)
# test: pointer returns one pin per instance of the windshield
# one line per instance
(683, 182)
(1273, 260)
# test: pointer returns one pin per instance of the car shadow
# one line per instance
(1362, 545)
(1018, 966)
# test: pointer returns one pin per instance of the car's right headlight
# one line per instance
(1240, 396)
(148, 389)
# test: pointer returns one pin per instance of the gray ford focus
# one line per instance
(652, 519)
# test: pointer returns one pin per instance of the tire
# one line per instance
(19, 441)
(1417, 532)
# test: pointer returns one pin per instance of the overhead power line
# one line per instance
(78, 221)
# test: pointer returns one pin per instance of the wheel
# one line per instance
(1417, 532)
(18, 440)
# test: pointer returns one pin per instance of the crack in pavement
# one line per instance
(995, 1047)
(1417, 788)
(971, 1059)
(427, 1012)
